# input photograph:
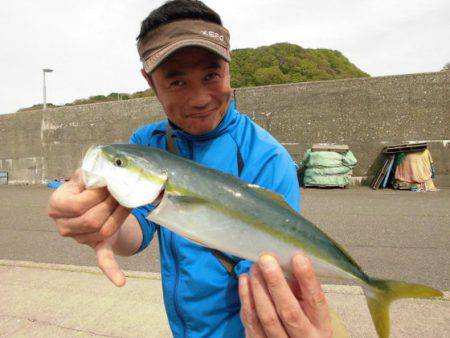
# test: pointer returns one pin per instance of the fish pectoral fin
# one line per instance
(190, 200)
(270, 194)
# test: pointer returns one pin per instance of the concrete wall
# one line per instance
(68, 132)
(37, 146)
(21, 151)
(364, 113)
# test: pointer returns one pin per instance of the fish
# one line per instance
(223, 212)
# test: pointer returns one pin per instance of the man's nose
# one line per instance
(200, 97)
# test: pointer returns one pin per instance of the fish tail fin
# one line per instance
(381, 293)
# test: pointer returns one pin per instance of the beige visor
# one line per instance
(166, 39)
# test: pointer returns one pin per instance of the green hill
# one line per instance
(287, 63)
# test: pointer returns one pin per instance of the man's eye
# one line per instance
(177, 83)
(211, 76)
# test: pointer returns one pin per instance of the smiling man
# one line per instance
(193, 85)
(185, 54)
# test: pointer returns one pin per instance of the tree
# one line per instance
(288, 63)
(269, 75)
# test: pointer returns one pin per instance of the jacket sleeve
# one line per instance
(148, 228)
(277, 174)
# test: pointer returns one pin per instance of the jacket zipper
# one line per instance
(175, 290)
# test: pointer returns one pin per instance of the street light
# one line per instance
(45, 70)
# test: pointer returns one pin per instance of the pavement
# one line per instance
(391, 234)
(56, 300)
(51, 300)
(49, 285)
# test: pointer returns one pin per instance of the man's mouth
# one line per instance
(202, 115)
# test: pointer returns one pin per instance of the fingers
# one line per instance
(107, 228)
(314, 302)
(249, 316)
(286, 304)
(298, 310)
(70, 200)
(108, 264)
(264, 306)
(91, 221)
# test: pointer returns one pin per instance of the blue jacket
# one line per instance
(200, 297)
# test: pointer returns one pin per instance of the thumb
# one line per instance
(108, 264)
(76, 181)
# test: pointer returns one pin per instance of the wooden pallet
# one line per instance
(405, 148)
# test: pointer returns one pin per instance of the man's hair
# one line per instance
(177, 10)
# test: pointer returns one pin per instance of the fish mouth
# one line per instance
(131, 185)
(88, 174)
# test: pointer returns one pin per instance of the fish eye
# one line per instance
(119, 162)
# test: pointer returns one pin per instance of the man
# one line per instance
(185, 53)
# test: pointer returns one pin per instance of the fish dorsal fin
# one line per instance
(276, 197)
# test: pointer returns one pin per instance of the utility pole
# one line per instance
(45, 70)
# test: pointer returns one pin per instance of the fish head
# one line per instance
(130, 178)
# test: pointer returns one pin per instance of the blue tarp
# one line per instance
(54, 185)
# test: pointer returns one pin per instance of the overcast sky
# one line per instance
(91, 44)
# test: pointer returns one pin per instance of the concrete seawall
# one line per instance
(366, 114)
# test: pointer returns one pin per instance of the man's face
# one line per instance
(193, 86)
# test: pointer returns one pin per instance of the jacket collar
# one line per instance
(228, 122)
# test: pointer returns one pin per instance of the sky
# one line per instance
(91, 44)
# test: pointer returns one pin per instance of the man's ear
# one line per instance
(148, 78)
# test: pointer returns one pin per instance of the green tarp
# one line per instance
(326, 181)
(328, 159)
(327, 168)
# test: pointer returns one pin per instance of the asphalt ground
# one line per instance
(392, 234)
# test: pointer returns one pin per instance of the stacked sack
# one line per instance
(327, 168)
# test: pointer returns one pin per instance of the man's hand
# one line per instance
(91, 217)
(270, 307)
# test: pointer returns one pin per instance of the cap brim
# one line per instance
(155, 59)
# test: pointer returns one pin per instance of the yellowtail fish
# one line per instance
(223, 212)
